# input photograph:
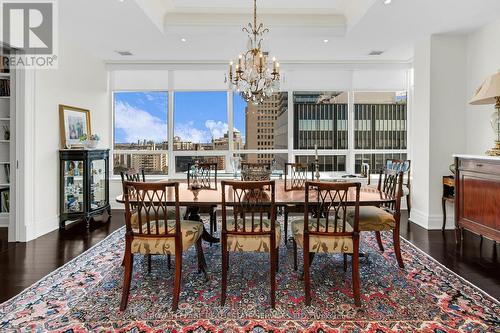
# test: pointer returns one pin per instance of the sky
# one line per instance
(198, 116)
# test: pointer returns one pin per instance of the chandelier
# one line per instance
(254, 76)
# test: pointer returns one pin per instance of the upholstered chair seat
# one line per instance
(323, 243)
(372, 218)
(251, 243)
(191, 231)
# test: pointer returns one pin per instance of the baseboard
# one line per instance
(430, 222)
(41, 228)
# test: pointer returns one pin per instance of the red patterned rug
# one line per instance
(84, 295)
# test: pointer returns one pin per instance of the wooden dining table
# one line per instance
(368, 196)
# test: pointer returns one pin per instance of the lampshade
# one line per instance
(488, 91)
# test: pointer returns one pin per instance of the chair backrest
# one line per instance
(295, 176)
(400, 165)
(206, 175)
(328, 203)
(251, 201)
(148, 203)
(133, 177)
(391, 183)
(255, 171)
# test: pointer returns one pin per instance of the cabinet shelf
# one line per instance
(86, 194)
(5, 119)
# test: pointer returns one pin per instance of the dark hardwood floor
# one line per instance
(22, 264)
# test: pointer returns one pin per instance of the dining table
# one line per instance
(209, 196)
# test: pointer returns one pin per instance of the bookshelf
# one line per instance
(7, 142)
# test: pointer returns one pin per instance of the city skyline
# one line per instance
(199, 117)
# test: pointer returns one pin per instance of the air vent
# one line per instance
(375, 53)
(124, 53)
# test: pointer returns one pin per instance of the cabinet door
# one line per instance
(73, 186)
(98, 196)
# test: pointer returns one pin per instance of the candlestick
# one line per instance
(240, 57)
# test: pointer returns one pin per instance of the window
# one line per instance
(262, 127)
(328, 163)
(375, 122)
(200, 121)
(380, 123)
(320, 119)
(140, 132)
(181, 162)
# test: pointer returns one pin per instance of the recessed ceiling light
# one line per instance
(386, 2)
(124, 53)
(121, 0)
(325, 41)
(183, 40)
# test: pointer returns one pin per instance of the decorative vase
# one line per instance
(91, 144)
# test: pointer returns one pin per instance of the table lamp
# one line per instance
(489, 93)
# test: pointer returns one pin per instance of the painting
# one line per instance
(74, 123)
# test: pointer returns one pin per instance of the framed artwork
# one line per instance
(74, 123)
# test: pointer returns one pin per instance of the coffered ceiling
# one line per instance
(319, 30)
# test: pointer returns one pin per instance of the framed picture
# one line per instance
(74, 123)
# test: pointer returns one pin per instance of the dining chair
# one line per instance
(206, 176)
(295, 180)
(133, 177)
(141, 177)
(255, 171)
(251, 226)
(386, 217)
(405, 167)
(327, 229)
(149, 231)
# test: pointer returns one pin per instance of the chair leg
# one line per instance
(379, 241)
(355, 274)
(345, 262)
(177, 280)
(127, 278)
(215, 218)
(202, 265)
(169, 261)
(277, 259)
(294, 255)
(123, 261)
(397, 247)
(285, 225)
(225, 262)
(307, 278)
(273, 256)
(408, 204)
(443, 203)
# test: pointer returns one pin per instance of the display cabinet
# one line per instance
(84, 186)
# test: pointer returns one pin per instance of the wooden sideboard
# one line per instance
(477, 193)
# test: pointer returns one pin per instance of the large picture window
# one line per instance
(200, 121)
(380, 124)
(140, 132)
(345, 128)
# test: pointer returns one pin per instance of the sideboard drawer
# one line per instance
(479, 166)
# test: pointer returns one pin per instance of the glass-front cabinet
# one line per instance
(84, 186)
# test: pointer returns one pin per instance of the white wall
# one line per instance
(81, 81)
(419, 139)
(483, 60)
(447, 121)
(448, 69)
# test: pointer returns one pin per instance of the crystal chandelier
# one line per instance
(253, 76)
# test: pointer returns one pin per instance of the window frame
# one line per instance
(349, 153)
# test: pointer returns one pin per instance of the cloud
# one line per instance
(187, 132)
(138, 124)
(213, 129)
(217, 128)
